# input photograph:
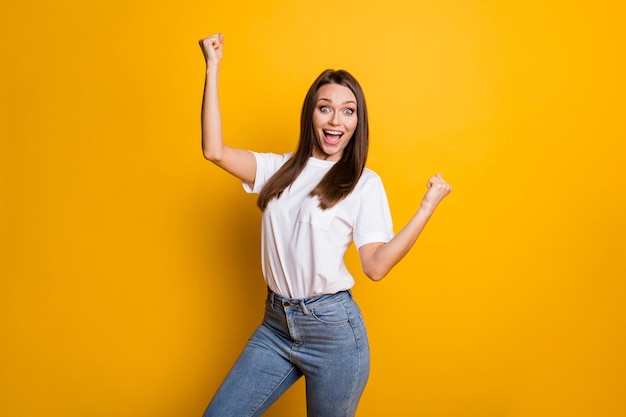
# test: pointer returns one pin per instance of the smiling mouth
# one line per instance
(332, 137)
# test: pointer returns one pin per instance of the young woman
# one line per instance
(315, 203)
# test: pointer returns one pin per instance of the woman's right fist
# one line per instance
(213, 48)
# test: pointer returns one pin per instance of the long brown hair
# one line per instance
(341, 179)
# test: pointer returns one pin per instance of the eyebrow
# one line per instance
(330, 101)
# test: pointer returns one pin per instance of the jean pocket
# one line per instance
(334, 315)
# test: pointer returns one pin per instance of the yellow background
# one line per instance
(130, 266)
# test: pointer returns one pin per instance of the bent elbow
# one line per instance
(375, 274)
(211, 155)
(376, 278)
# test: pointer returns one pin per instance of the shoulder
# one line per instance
(369, 182)
(369, 174)
(369, 177)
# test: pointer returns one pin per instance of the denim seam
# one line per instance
(269, 394)
(352, 320)
(359, 348)
(333, 323)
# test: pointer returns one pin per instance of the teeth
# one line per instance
(332, 132)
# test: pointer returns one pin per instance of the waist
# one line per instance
(276, 300)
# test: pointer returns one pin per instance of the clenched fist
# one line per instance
(213, 49)
(438, 188)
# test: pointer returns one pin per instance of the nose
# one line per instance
(335, 120)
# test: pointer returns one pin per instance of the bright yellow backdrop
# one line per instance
(130, 266)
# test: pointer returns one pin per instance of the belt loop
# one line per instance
(304, 309)
(272, 298)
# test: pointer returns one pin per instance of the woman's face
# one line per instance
(334, 120)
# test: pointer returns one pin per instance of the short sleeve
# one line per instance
(373, 221)
(266, 165)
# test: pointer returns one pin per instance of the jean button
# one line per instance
(287, 304)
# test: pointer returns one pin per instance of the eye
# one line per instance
(348, 111)
(324, 109)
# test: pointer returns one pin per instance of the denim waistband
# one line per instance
(276, 300)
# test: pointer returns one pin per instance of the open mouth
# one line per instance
(332, 137)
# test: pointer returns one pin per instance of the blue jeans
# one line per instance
(322, 338)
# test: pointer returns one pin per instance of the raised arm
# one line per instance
(240, 163)
(377, 259)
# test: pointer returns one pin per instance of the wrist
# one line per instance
(212, 69)
(426, 209)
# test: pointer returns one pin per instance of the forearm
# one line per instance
(212, 141)
(383, 257)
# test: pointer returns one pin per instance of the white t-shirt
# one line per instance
(303, 246)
